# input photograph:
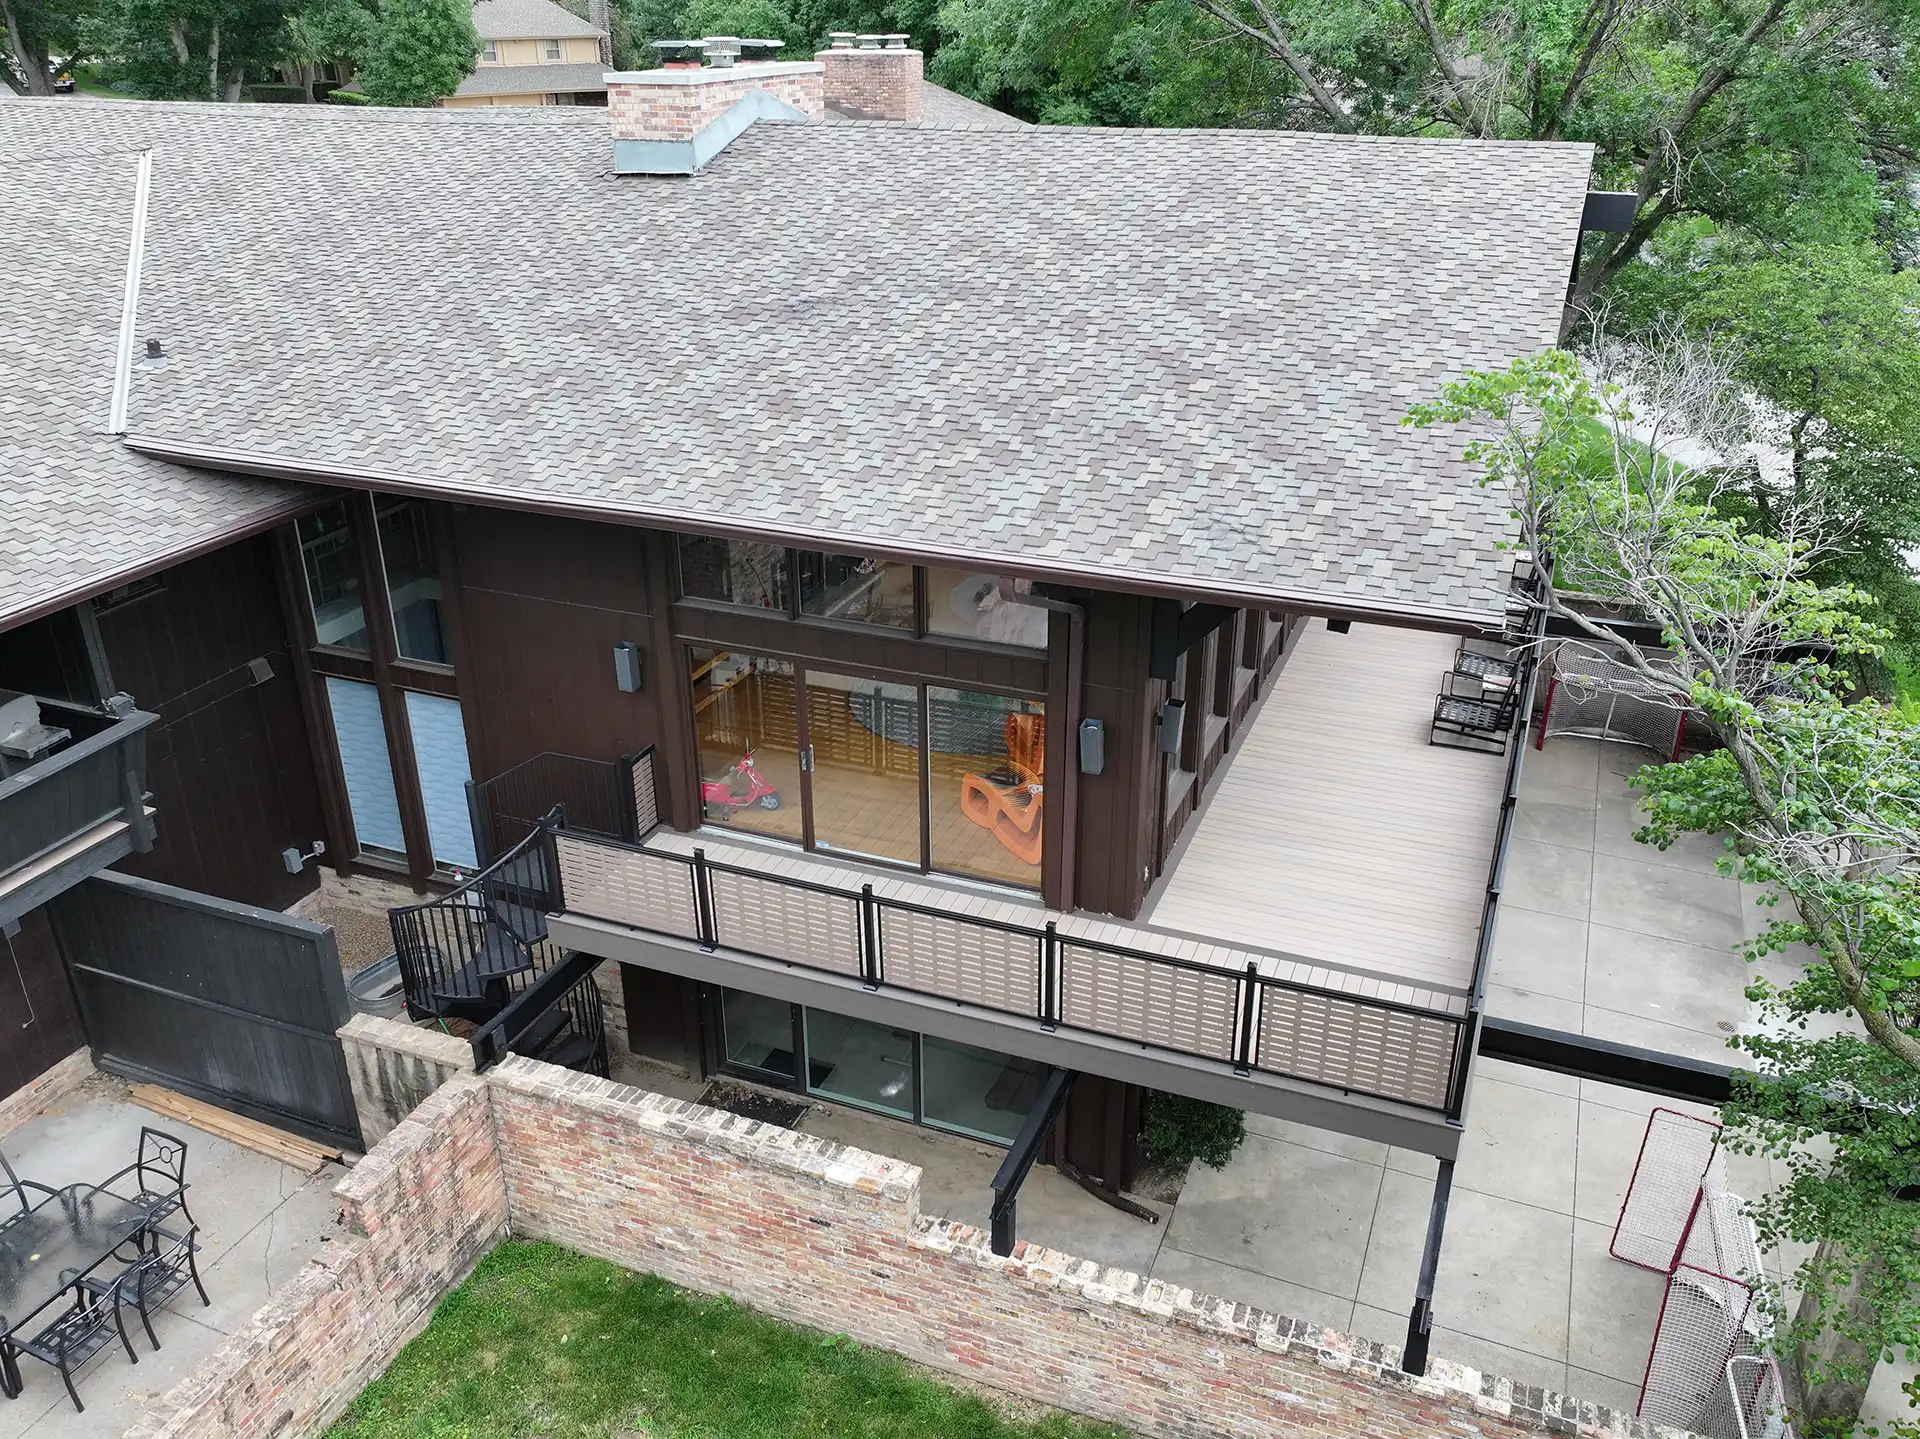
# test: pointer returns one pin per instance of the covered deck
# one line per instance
(1338, 831)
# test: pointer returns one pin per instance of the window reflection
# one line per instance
(855, 587)
(734, 572)
(332, 564)
(413, 580)
(988, 773)
(967, 602)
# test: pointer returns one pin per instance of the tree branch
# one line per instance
(1275, 39)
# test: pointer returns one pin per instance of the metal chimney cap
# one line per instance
(842, 39)
(896, 42)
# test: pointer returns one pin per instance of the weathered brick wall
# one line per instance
(38, 1095)
(832, 1237)
(875, 84)
(417, 1214)
(677, 105)
(394, 1066)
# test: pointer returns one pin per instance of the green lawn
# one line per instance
(542, 1342)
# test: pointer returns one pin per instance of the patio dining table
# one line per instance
(46, 1250)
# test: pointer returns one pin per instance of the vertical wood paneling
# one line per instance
(39, 1025)
(230, 764)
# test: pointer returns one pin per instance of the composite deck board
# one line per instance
(1339, 833)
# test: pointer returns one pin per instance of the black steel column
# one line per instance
(1026, 1149)
(1420, 1323)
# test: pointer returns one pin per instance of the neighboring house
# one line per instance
(993, 556)
(533, 52)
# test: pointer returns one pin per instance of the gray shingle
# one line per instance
(529, 20)
(78, 510)
(534, 79)
(1167, 356)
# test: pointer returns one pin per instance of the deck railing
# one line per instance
(100, 776)
(1245, 1012)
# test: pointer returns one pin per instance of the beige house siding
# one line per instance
(574, 51)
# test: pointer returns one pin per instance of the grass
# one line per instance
(543, 1342)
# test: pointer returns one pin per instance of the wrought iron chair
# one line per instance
(79, 1332)
(161, 1271)
(160, 1176)
(22, 1190)
(1471, 715)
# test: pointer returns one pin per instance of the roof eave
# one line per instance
(1331, 605)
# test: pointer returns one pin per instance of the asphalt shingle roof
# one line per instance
(79, 511)
(1165, 357)
(948, 109)
(534, 79)
(530, 20)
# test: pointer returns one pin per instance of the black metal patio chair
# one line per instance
(159, 1174)
(79, 1332)
(146, 1285)
(22, 1190)
(1471, 715)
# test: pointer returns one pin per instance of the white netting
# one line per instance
(1593, 697)
(1677, 1158)
(1752, 1402)
(1710, 1316)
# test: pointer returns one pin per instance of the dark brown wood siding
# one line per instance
(37, 1016)
(230, 764)
(541, 604)
(1118, 807)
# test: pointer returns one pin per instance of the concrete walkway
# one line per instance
(260, 1221)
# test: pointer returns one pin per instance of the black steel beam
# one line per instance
(1026, 1149)
(1177, 630)
(1672, 1075)
(1413, 1359)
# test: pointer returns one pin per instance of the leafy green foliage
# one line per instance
(35, 33)
(1819, 798)
(420, 51)
(1177, 1130)
(542, 1341)
(189, 49)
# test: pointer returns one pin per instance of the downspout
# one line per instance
(1070, 797)
(130, 297)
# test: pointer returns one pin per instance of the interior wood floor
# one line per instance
(1338, 832)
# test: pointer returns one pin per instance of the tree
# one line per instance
(41, 37)
(1820, 798)
(190, 49)
(421, 51)
(326, 34)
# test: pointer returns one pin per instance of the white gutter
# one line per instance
(130, 297)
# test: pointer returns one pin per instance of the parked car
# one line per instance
(63, 82)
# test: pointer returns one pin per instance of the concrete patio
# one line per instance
(259, 1223)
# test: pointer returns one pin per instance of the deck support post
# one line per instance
(1413, 1359)
(1026, 1149)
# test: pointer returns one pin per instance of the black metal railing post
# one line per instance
(1413, 1359)
(629, 818)
(703, 902)
(1249, 997)
(869, 939)
(1050, 977)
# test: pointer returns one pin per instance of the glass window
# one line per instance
(978, 1092)
(368, 767)
(490, 51)
(413, 580)
(758, 1032)
(865, 741)
(970, 603)
(735, 572)
(862, 1063)
(552, 49)
(332, 562)
(854, 587)
(440, 756)
(987, 769)
(746, 718)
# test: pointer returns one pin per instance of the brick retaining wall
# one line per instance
(38, 1095)
(813, 1232)
(416, 1215)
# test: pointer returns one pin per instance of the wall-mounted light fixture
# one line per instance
(1167, 733)
(627, 668)
(1339, 627)
(1093, 746)
(296, 861)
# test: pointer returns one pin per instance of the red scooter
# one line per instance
(724, 791)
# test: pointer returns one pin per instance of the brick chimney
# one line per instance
(874, 77)
(673, 120)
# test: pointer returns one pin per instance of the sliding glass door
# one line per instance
(924, 776)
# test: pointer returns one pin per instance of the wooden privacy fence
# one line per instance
(1248, 1009)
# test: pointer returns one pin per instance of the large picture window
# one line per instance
(330, 557)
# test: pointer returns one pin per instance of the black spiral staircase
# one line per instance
(481, 955)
